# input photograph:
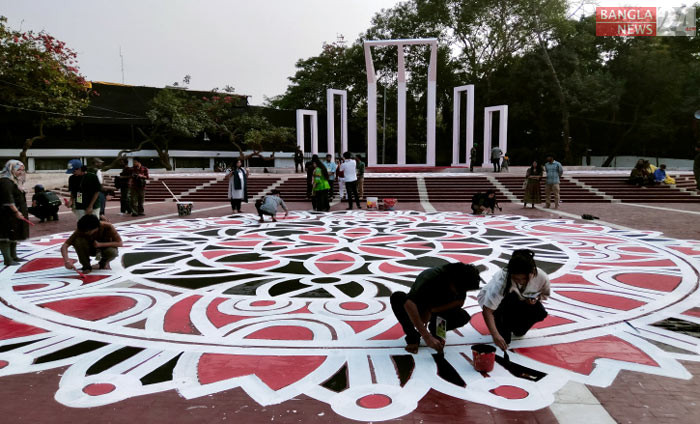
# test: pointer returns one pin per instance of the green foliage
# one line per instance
(39, 77)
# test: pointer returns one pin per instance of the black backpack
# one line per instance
(52, 198)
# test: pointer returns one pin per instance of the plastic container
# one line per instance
(184, 208)
(484, 357)
(372, 203)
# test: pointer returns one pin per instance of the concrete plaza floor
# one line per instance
(631, 397)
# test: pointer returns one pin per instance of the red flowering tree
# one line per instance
(39, 79)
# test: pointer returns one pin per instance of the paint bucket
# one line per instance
(389, 204)
(372, 203)
(184, 208)
(484, 357)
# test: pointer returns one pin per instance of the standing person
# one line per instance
(696, 166)
(122, 183)
(309, 167)
(349, 168)
(533, 193)
(237, 185)
(92, 238)
(298, 160)
(360, 171)
(96, 169)
(321, 186)
(330, 167)
(496, 153)
(472, 158)
(512, 300)
(137, 187)
(13, 211)
(505, 163)
(554, 173)
(340, 175)
(268, 206)
(85, 190)
(437, 292)
(45, 204)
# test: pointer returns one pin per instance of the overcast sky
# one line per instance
(251, 45)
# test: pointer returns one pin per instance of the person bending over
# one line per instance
(92, 237)
(268, 206)
(512, 300)
(438, 291)
(483, 202)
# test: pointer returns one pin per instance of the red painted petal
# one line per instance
(10, 329)
(658, 282)
(695, 312)
(509, 392)
(319, 239)
(282, 332)
(466, 259)
(382, 251)
(337, 257)
(390, 268)
(580, 356)
(552, 321)
(211, 254)
(41, 264)
(177, 319)
(383, 239)
(395, 332)
(606, 300)
(360, 326)
(462, 245)
(332, 268)
(217, 318)
(92, 308)
(276, 372)
(572, 279)
(27, 287)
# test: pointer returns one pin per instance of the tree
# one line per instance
(39, 77)
(173, 113)
(244, 130)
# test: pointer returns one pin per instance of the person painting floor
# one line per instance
(511, 301)
(92, 237)
(437, 292)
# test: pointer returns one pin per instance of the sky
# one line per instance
(251, 45)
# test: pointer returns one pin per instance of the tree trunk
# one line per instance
(566, 131)
(163, 154)
(28, 144)
(622, 138)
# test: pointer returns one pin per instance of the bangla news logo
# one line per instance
(645, 21)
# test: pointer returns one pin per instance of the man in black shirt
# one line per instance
(85, 190)
(45, 204)
(438, 291)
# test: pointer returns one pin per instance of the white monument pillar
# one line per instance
(401, 123)
(314, 129)
(456, 123)
(330, 108)
(488, 130)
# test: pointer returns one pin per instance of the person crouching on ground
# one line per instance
(437, 292)
(92, 237)
(45, 204)
(483, 202)
(512, 300)
(269, 204)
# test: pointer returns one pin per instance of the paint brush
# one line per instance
(27, 221)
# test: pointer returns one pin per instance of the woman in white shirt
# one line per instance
(511, 301)
(237, 186)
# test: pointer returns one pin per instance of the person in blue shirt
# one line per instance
(660, 174)
(554, 173)
(331, 167)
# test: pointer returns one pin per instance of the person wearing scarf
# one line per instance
(13, 211)
(237, 186)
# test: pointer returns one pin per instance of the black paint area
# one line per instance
(162, 373)
(680, 326)
(10, 347)
(339, 381)
(404, 367)
(113, 359)
(446, 371)
(71, 351)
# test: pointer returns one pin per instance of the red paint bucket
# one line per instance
(484, 357)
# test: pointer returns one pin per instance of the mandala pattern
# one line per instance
(301, 307)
